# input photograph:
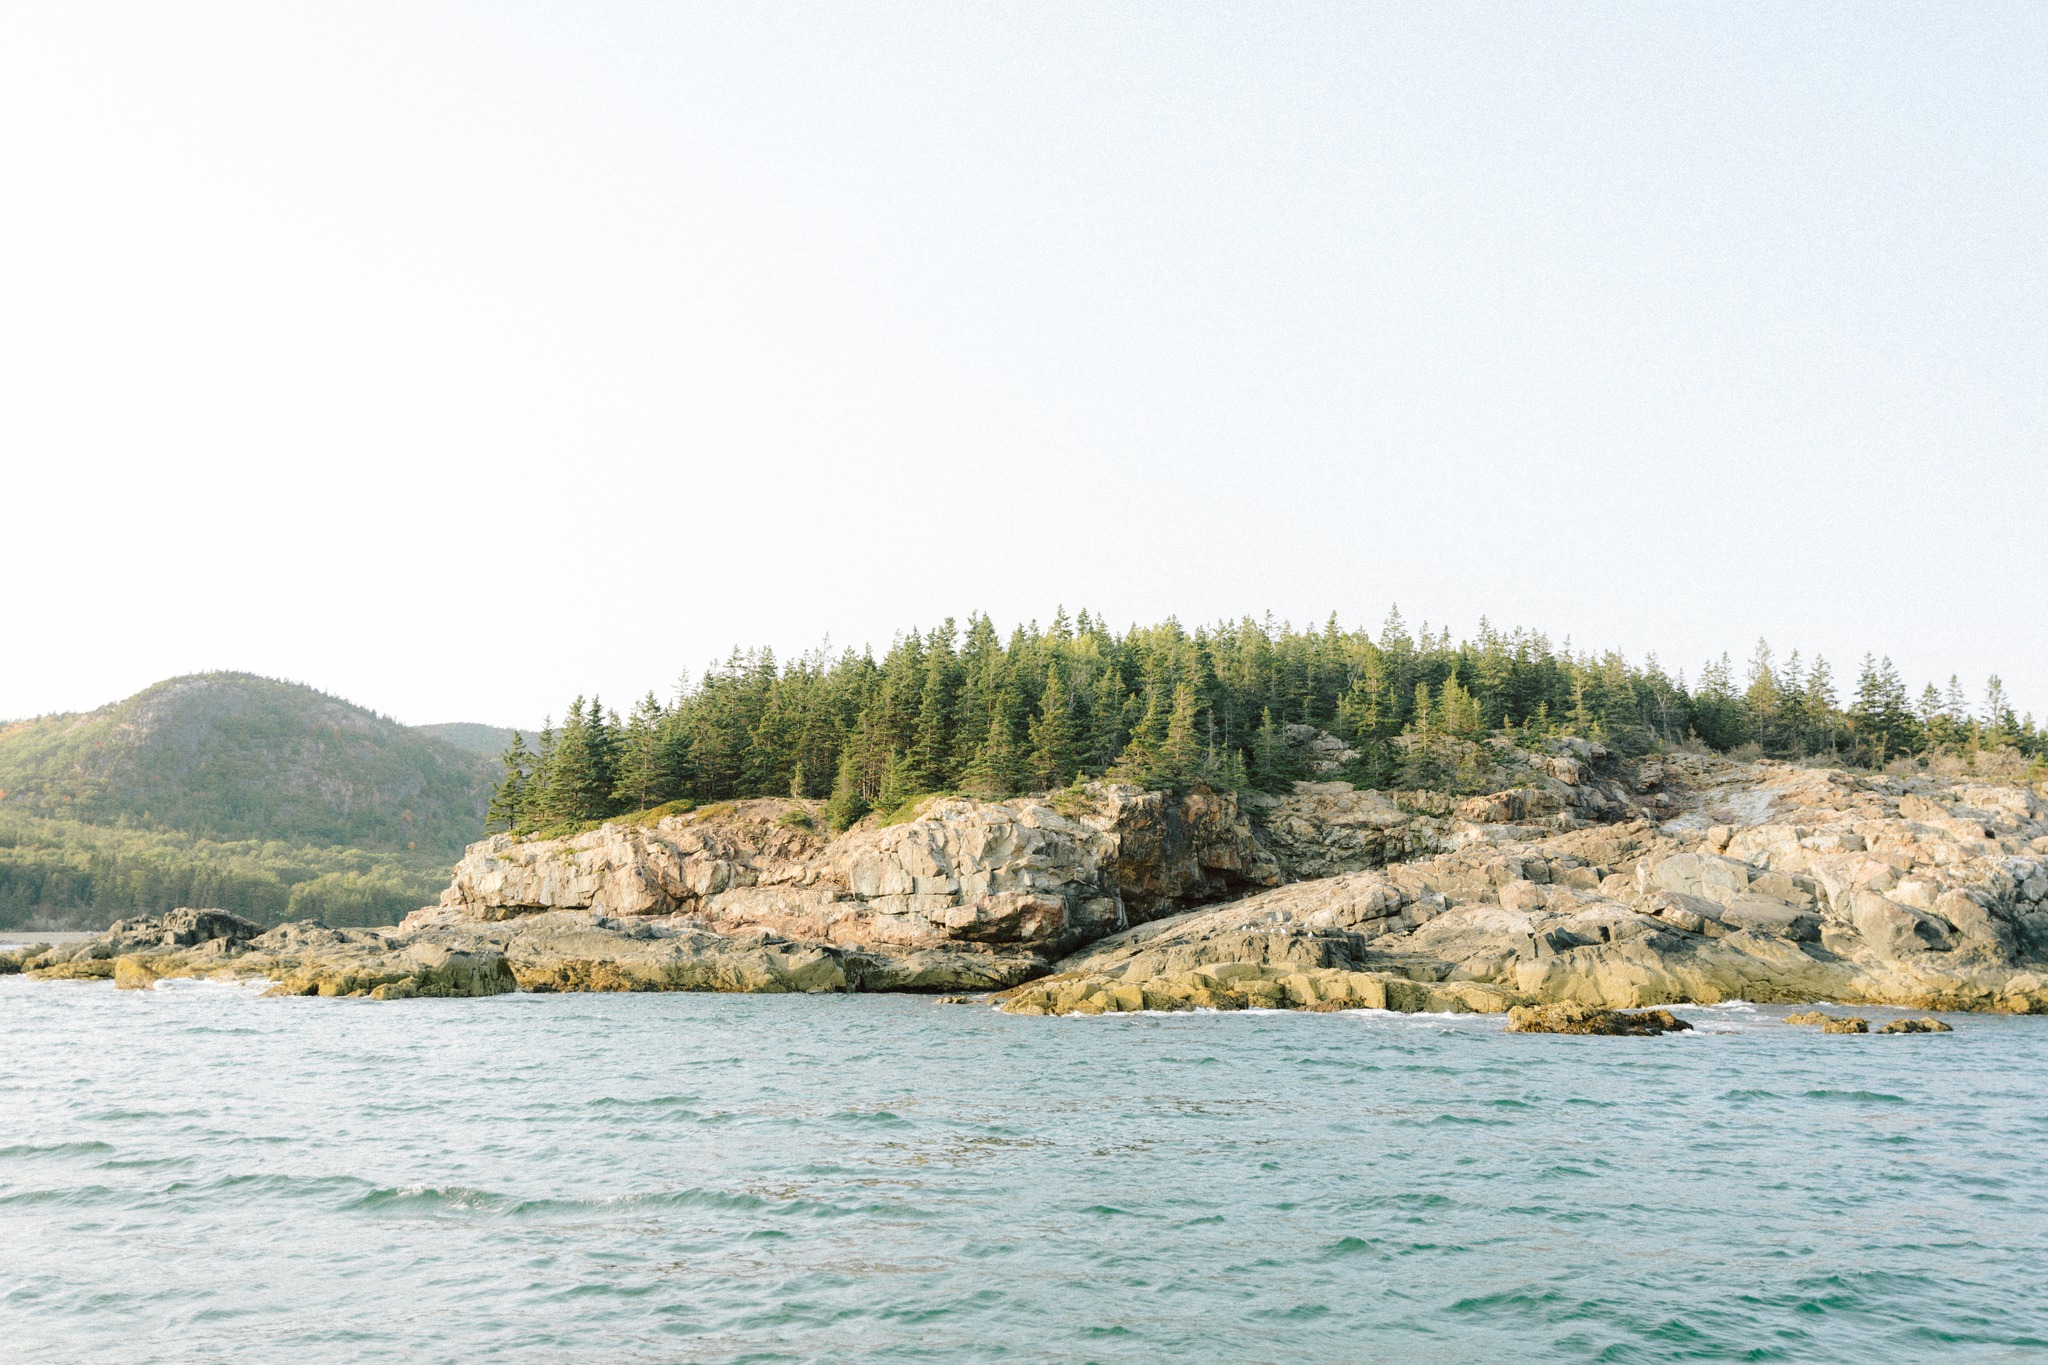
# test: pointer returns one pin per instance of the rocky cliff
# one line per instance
(1592, 879)
(1768, 882)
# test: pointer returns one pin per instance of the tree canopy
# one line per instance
(949, 709)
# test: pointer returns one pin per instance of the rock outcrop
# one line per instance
(299, 959)
(1766, 882)
(1593, 880)
(1039, 875)
(1015, 877)
(1569, 1016)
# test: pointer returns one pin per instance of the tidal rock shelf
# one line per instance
(1594, 880)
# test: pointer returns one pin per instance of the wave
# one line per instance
(25, 1150)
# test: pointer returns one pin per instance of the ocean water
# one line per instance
(193, 1173)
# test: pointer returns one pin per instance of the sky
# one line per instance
(461, 358)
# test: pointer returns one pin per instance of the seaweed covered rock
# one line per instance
(1916, 1026)
(1571, 1016)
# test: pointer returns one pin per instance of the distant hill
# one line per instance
(488, 740)
(231, 756)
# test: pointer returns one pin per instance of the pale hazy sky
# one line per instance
(460, 358)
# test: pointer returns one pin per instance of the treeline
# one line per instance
(67, 874)
(1162, 706)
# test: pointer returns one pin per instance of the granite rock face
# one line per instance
(1595, 880)
(1763, 881)
(1040, 874)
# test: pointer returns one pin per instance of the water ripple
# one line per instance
(653, 1178)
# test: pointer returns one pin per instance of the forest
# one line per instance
(69, 874)
(1162, 706)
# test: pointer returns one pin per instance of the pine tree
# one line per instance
(847, 804)
(1055, 740)
(899, 784)
(585, 765)
(1458, 714)
(1763, 702)
(1716, 711)
(1139, 763)
(931, 753)
(1181, 753)
(2001, 726)
(1820, 705)
(508, 803)
(1107, 733)
(997, 766)
(1274, 767)
(537, 802)
(643, 780)
(1421, 765)
(1882, 717)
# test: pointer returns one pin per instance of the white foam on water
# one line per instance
(241, 986)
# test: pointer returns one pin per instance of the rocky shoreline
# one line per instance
(1594, 880)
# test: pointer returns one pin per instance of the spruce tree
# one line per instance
(2001, 726)
(1107, 735)
(537, 802)
(931, 753)
(643, 780)
(1820, 707)
(1139, 764)
(1055, 739)
(899, 784)
(1273, 766)
(994, 772)
(1182, 757)
(508, 803)
(847, 804)
(584, 768)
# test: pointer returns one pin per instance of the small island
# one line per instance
(1081, 822)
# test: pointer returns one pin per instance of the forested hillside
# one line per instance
(233, 756)
(1165, 706)
(235, 792)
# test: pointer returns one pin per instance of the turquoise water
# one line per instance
(196, 1174)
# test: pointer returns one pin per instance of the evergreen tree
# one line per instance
(537, 801)
(2001, 726)
(1139, 764)
(847, 804)
(1458, 714)
(584, 770)
(644, 779)
(899, 784)
(508, 803)
(997, 766)
(1274, 767)
(1108, 731)
(1763, 703)
(1882, 718)
(1181, 752)
(1822, 717)
(1056, 741)
(1716, 712)
(931, 753)
(1211, 705)
(1422, 766)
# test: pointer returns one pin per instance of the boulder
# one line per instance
(1573, 1017)
(1916, 1026)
